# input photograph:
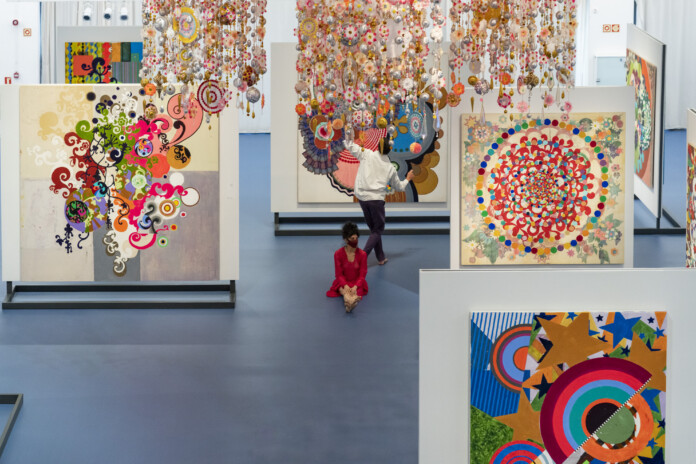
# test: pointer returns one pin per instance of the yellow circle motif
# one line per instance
(308, 27)
(187, 25)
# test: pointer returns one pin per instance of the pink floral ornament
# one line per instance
(370, 68)
(504, 101)
(360, 118)
(350, 33)
(548, 100)
(369, 38)
(405, 35)
(522, 106)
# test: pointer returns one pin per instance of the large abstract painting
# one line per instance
(117, 185)
(691, 207)
(543, 189)
(102, 62)
(568, 388)
(642, 75)
(323, 155)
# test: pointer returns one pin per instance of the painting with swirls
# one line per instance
(117, 185)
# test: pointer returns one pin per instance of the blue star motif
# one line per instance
(651, 320)
(659, 333)
(621, 328)
(658, 459)
(625, 351)
(650, 396)
(652, 443)
(572, 316)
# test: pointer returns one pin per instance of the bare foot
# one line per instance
(383, 262)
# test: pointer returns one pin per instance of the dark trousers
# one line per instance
(373, 210)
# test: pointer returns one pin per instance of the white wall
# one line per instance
(672, 23)
(593, 42)
(19, 54)
(280, 27)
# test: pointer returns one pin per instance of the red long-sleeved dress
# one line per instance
(349, 273)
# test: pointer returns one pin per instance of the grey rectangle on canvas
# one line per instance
(104, 264)
(192, 251)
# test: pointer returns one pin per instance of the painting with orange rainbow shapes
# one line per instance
(568, 388)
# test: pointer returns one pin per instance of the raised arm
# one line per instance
(355, 149)
(398, 184)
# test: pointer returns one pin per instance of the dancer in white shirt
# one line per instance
(374, 174)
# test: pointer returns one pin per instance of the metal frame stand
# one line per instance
(15, 399)
(338, 220)
(676, 228)
(13, 290)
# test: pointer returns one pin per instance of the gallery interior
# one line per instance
(180, 285)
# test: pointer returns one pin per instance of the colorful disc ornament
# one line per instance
(509, 355)
(143, 147)
(76, 211)
(597, 398)
(539, 187)
(212, 97)
(187, 25)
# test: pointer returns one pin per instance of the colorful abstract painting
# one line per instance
(543, 189)
(103, 62)
(691, 207)
(643, 77)
(568, 388)
(323, 154)
(116, 185)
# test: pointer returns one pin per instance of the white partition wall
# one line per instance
(447, 299)
(651, 55)
(617, 100)
(9, 183)
(286, 148)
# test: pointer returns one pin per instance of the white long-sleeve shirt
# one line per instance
(374, 174)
